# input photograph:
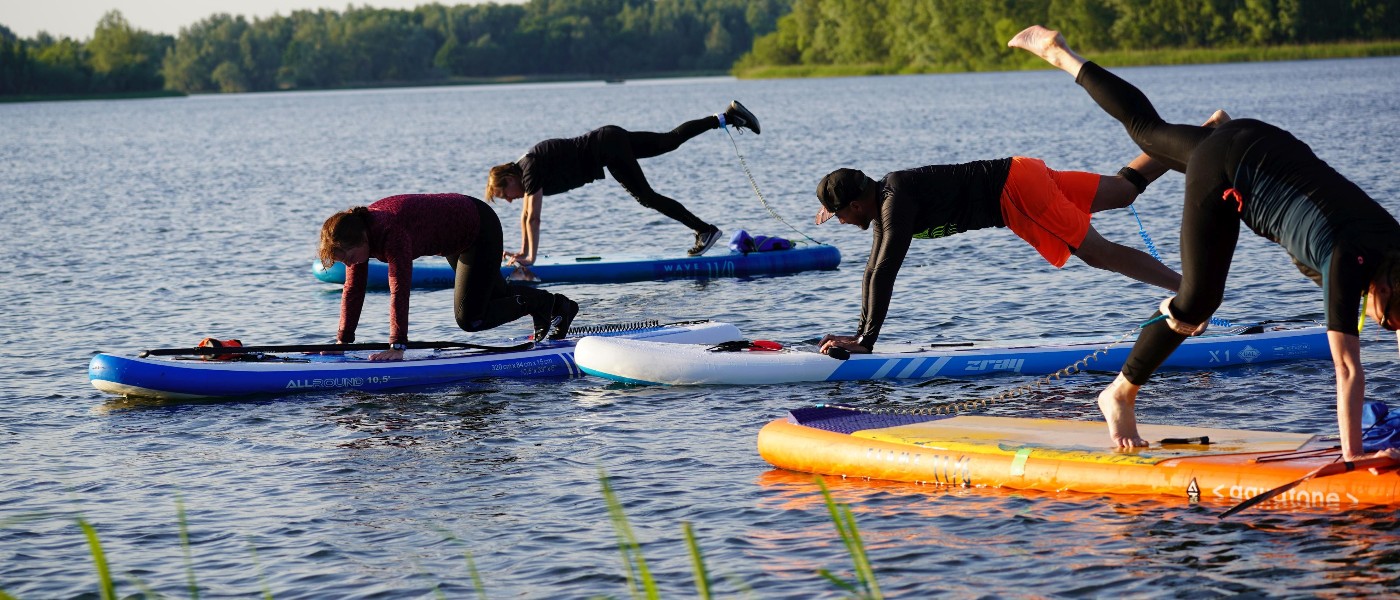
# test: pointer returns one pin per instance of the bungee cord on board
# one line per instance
(743, 163)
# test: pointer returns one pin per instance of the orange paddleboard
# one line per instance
(1053, 455)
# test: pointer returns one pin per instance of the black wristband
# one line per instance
(1134, 177)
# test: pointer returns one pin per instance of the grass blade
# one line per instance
(864, 571)
(636, 565)
(107, 589)
(146, 590)
(477, 583)
(252, 550)
(185, 543)
(845, 523)
(702, 577)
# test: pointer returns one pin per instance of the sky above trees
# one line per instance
(77, 18)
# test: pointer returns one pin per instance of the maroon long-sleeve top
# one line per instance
(401, 229)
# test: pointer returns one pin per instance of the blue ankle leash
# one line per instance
(1152, 249)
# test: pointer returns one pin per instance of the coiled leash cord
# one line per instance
(1152, 249)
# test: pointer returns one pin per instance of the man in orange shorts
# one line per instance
(1049, 209)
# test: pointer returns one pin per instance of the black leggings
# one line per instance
(1210, 226)
(481, 297)
(621, 149)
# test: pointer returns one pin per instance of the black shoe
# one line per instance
(544, 319)
(564, 312)
(703, 241)
(740, 117)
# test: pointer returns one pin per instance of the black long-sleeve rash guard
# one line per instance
(927, 202)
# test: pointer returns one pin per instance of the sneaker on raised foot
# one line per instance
(740, 117)
(564, 312)
(703, 241)
(544, 319)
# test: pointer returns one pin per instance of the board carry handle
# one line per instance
(209, 350)
(1195, 441)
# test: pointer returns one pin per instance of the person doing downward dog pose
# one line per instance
(558, 165)
(398, 229)
(1251, 172)
(1049, 209)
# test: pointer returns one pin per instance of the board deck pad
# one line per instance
(1067, 440)
(1081, 441)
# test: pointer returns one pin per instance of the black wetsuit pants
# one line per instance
(1210, 226)
(481, 297)
(621, 149)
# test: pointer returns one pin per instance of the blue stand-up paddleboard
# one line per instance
(639, 361)
(284, 373)
(435, 273)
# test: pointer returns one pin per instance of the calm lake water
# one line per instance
(135, 224)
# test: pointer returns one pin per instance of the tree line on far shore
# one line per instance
(118, 58)
(956, 35)
(365, 46)
(370, 46)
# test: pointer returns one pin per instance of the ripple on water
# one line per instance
(166, 221)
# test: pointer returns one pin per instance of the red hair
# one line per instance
(345, 229)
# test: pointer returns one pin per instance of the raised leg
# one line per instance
(1100, 253)
(1049, 45)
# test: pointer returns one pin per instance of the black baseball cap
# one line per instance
(838, 189)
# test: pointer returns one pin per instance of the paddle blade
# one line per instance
(1318, 473)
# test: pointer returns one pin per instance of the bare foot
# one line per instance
(1049, 45)
(1218, 118)
(1116, 402)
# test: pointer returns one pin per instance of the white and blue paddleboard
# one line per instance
(182, 378)
(614, 268)
(641, 361)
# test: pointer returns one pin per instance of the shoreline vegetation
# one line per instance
(365, 47)
(1120, 58)
(94, 96)
(1109, 58)
(617, 40)
(375, 85)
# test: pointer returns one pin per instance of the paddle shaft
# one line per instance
(211, 350)
(1323, 471)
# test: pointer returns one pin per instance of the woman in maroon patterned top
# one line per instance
(467, 232)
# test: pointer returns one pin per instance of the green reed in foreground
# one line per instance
(99, 561)
(640, 581)
(865, 586)
(185, 543)
(850, 536)
(632, 560)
